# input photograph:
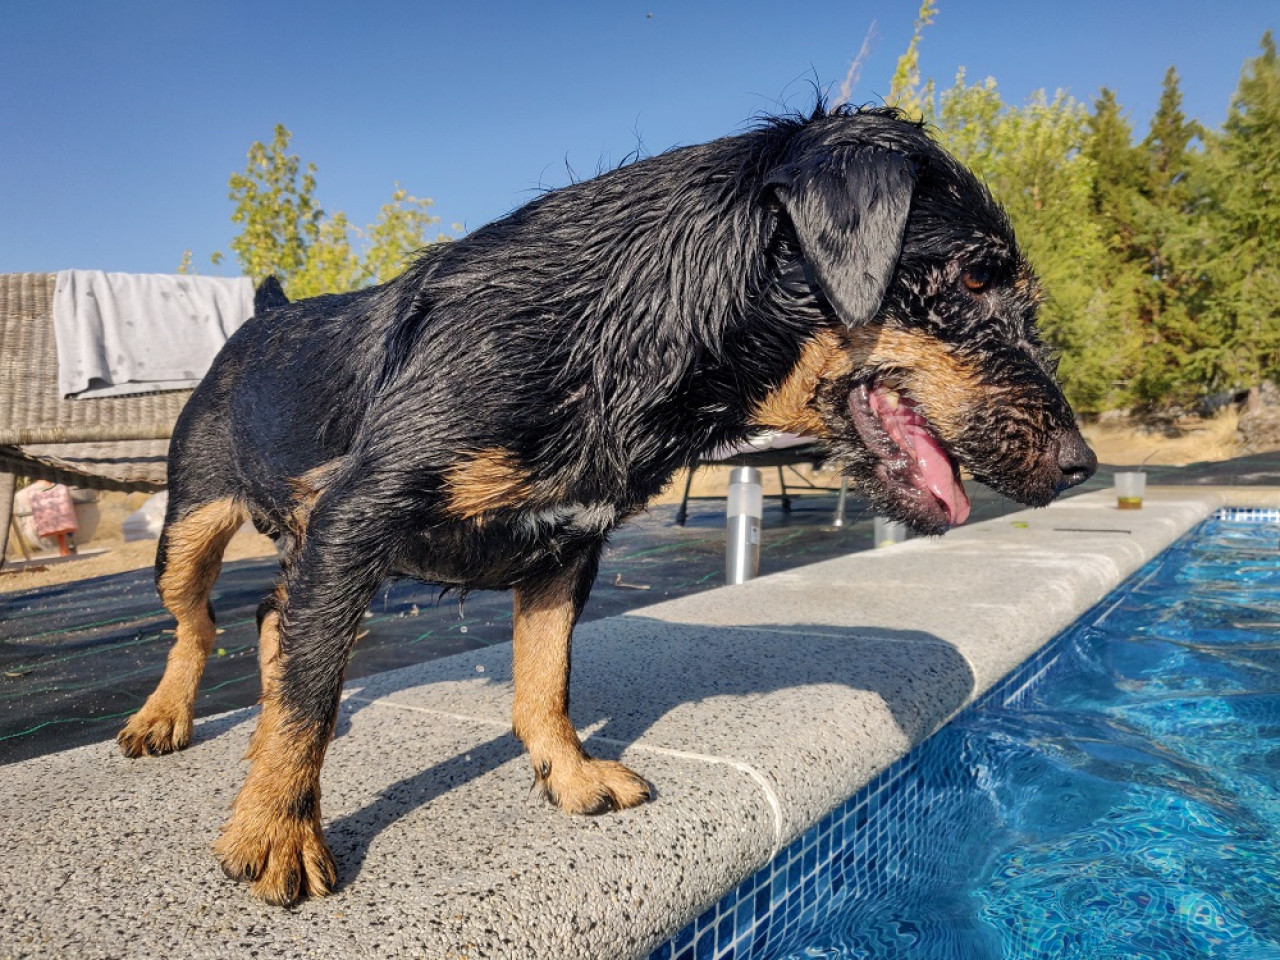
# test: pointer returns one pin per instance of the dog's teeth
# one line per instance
(892, 399)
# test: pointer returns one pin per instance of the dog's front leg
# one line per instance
(545, 614)
(274, 838)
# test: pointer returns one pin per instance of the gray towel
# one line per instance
(121, 333)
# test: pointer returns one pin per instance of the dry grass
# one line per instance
(1187, 440)
(120, 555)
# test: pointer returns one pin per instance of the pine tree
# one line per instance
(1119, 175)
(1173, 339)
(1241, 235)
(1168, 141)
(1117, 172)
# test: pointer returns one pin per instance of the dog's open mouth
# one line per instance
(914, 466)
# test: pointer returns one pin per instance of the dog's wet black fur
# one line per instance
(485, 420)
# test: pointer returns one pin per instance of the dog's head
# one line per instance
(928, 360)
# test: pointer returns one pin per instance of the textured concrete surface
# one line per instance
(752, 710)
(807, 716)
(994, 592)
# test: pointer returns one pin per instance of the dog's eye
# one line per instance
(976, 279)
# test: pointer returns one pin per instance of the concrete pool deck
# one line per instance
(753, 710)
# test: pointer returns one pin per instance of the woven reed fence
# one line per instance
(112, 443)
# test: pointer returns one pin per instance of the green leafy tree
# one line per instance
(1119, 171)
(1161, 260)
(1031, 157)
(276, 209)
(330, 265)
(285, 232)
(905, 90)
(1168, 141)
(400, 230)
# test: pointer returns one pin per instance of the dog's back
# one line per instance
(280, 399)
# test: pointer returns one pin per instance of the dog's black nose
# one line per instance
(1075, 459)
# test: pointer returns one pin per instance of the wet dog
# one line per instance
(486, 419)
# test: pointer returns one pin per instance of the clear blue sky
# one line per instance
(120, 122)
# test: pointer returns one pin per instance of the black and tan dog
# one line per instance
(485, 420)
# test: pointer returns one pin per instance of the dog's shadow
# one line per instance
(620, 693)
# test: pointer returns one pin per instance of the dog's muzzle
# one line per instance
(1076, 461)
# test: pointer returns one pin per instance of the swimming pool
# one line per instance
(1118, 795)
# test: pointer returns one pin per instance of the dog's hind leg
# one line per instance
(268, 618)
(274, 838)
(545, 614)
(190, 555)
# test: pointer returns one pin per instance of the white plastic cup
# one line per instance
(1131, 485)
(742, 525)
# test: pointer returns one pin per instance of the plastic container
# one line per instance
(1131, 486)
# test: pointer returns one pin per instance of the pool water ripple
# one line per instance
(1129, 806)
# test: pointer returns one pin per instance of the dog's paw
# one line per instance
(284, 861)
(151, 732)
(586, 785)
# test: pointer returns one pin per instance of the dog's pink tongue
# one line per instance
(938, 473)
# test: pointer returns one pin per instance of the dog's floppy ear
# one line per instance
(849, 207)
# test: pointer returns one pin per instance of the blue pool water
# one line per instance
(1127, 804)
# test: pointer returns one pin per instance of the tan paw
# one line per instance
(285, 861)
(151, 732)
(586, 785)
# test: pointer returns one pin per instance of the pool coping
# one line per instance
(754, 710)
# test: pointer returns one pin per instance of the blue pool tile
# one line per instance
(779, 885)
(725, 930)
(744, 918)
(707, 919)
(684, 938)
(810, 860)
(1248, 514)
(760, 941)
(763, 902)
(793, 909)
